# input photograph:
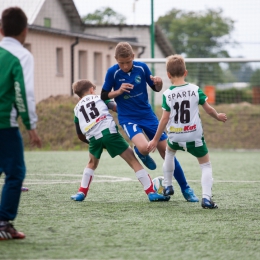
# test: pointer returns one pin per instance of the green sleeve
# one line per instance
(202, 97)
(164, 104)
(76, 120)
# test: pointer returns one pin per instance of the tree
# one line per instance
(105, 15)
(199, 35)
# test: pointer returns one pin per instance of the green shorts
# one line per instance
(114, 143)
(198, 152)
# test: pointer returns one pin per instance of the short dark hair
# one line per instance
(82, 86)
(14, 21)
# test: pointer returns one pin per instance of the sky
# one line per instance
(245, 13)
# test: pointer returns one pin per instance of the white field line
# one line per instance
(104, 178)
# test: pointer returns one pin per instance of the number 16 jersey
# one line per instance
(183, 102)
(93, 117)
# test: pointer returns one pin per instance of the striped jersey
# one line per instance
(93, 117)
(16, 85)
(183, 102)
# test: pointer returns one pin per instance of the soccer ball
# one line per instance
(158, 184)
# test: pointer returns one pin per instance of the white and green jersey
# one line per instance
(93, 117)
(16, 85)
(183, 104)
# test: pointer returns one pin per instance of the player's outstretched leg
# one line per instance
(146, 159)
(143, 176)
(187, 192)
(87, 177)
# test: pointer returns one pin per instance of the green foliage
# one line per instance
(255, 79)
(233, 95)
(199, 35)
(105, 15)
(116, 221)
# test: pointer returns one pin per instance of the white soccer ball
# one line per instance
(158, 184)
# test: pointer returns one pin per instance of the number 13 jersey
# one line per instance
(93, 117)
(183, 102)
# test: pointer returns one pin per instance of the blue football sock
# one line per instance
(179, 176)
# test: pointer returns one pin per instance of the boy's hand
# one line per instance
(35, 140)
(222, 117)
(157, 82)
(152, 145)
(125, 87)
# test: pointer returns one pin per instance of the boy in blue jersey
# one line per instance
(128, 79)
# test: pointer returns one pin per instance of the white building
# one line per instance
(66, 50)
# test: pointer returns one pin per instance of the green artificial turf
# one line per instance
(116, 220)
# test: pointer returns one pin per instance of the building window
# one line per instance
(59, 61)
(98, 68)
(28, 47)
(82, 64)
(47, 22)
(108, 61)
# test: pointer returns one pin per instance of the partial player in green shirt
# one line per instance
(16, 99)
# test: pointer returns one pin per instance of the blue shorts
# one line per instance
(132, 129)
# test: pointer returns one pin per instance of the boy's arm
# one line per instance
(78, 130)
(111, 105)
(158, 83)
(24, 97)
(162, 125)
(107, 93)
(154, 82)
(213, 113)
(80, 135)
(125, 87)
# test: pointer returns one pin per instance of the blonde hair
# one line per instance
(82, 86)
(175, 65)
(123, 50)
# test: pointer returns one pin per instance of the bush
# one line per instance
(233, 95)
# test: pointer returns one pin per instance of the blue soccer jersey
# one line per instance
(133, 106)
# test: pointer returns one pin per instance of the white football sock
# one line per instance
(206, 180)
(144, 178)
(168, 167)
(87, 177)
